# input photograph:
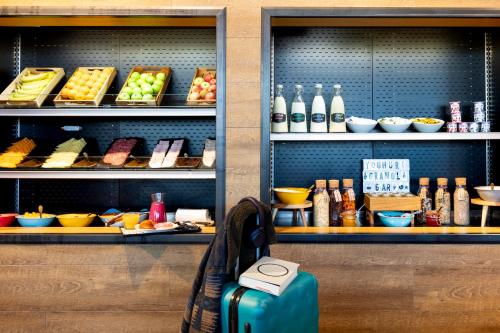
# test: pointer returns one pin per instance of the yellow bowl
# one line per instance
(130, 220)
(292, 195)
(76, 220)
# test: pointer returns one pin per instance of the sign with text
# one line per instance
(386, 176)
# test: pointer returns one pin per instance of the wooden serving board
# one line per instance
(403, 203)
(155, 70)
(37, 102)
(197, 73)
(60, 102)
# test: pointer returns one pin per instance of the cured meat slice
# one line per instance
(119, 151)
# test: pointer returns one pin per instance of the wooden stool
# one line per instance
(486, 205)
(279, 205)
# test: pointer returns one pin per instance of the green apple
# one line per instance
(124, 96)
(161, 76)
(150, 79)
(136, 97)
(140, 82)
(148, 97)
(127, 90)
(156, 88)
(133, 84)
(147, 89)
(137, 90)
(135, 76)
(144, 76)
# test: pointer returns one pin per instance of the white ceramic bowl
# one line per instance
(487, 194)
(428, 128)
(361, 128)
(395, 128)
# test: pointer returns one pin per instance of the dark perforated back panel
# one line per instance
(99, 195)
(100, 132)
(310, 56)
(384, 72)
(181, 49)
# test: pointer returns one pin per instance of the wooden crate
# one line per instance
(37, 102)
(381, 203)
(197, 73)
(60, 102)
(155, 70)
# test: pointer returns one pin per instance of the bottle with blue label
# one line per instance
(298, 123)
(318, 111)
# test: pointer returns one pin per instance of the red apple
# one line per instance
(208, 77)
(212, 88)
(213, 81)
(194, 96)
(210, 96)
(196, 89)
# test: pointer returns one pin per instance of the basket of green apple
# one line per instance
(145, 86)
(203, 90)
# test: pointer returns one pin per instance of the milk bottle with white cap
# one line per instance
(279, 122)
(318, 112)
(298, 122)
(337, 111)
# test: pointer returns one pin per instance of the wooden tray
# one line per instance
(197, 73)
(381, 203)
(60, 102)
(159, 97)
(36, 103)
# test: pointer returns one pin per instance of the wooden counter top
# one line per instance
(388, 230)
(85, 230)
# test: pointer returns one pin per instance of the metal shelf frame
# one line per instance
(67, 17)
(110, 112)
(406, 136)
(108, 174)
(299, 18)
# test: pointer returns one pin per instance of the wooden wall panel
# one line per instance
(362, 287)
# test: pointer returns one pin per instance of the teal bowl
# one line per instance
(395, 219)
(35, 221)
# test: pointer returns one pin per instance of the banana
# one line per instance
(35, 77)
(35, 84)
(31, 85)
(19, 97)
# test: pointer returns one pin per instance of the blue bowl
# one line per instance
(395, 219)
(35, 222)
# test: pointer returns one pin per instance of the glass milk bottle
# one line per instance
(298, 122)
(279, 122)
(337, 111)
(318, 112)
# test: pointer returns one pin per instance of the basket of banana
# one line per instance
(31, 87)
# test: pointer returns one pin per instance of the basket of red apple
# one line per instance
(204, 87)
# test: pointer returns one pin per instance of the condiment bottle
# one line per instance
(335, 203)
(348, 195)
(461, 202)
(321, 204)
(337, 111)
(425, 200)
(298, 123)
(443, 201)
(318, 111)
(279, 122)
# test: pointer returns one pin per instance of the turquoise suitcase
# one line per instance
(296, 310)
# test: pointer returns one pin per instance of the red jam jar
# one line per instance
(432, 218)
